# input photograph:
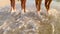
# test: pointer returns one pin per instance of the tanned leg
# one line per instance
(12, 5)
(23, 5)
(38, 5)
(49, 4)
(46, 4)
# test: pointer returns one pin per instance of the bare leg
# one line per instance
(38, 5)
(12, 5)
(49, 4)
(46, 4)
(23, 5)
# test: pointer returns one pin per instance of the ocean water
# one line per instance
(31, 22)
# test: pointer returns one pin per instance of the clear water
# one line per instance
(30, 22)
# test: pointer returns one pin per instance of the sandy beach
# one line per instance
(4, 3)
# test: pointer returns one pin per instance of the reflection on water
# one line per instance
(30, 22)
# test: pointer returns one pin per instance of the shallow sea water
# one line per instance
(30, 22)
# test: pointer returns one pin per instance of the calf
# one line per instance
(38, 4)
(12, 3)
(47, 4)
(13, 6)
(23, 5)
